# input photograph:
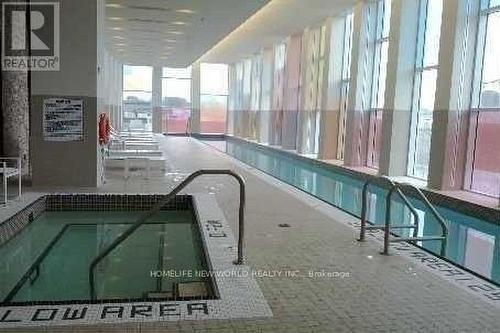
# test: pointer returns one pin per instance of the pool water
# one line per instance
(67, 242)
(472, 243)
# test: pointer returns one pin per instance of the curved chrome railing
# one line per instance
(397, 187)
(392, 187)
(159, 205)
(435, 213)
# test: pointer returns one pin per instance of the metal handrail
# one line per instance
(388, 204)
(159, 205)
(439, 218)
(393, 187)
(35, 267)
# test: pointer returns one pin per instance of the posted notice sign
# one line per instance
(62, 119)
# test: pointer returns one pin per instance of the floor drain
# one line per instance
(284, 225)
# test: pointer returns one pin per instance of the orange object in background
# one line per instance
(104, 129)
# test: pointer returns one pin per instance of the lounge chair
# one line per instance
(10, 167)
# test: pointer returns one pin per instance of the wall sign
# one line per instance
(62, 119)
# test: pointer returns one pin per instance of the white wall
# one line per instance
(74, 163)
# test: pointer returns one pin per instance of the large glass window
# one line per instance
(312, 66)
(253, 112)
(137, 98)
(424, 87)
(381, 50)
(344, 84)
(280, 54)
(484, 157)
(176, 99)
(266, 95)
(214, 97)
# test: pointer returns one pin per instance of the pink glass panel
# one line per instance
(486, 165)
(176, 120)
(374, 139)
(213, 114)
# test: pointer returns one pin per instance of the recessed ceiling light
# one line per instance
(185, 11)
(121, 44)
(178, 23)
(176, 32)
(114, 5)
(117, 28)
(115, 18)
(118, 37)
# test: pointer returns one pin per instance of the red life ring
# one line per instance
(104, 129)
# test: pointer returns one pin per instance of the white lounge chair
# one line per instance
(8, 170)
(134, 145)
(136, 135)
(134, 153)
(147, 163)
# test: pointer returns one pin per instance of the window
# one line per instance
(255, 87)
(238, 97)
(266, 95)
(214, 97)
(137, 98)
(246, 97)
(381, 50)
(344, 84)
(424, 87)
(483, 157)
(176, 99)
(280, 55)
(312, 66)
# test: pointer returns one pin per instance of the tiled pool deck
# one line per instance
(354, 289)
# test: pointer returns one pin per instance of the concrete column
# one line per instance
(231, 101)
(113, 89)
(118, 94)
(360, 86)
(453, 91)
(195, 121)
(72, 163)
(246, 105)
(158, 125)
(15, 115)
(238, 100)
(399, 87)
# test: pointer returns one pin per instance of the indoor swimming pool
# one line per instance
(79, 259)
(49, 260)
(473, 243)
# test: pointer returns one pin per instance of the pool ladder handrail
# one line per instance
(442, 222)
(393, 187)
(160, 204)
(398, 188)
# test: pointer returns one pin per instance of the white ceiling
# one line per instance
(277, 20)
(172, 33)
